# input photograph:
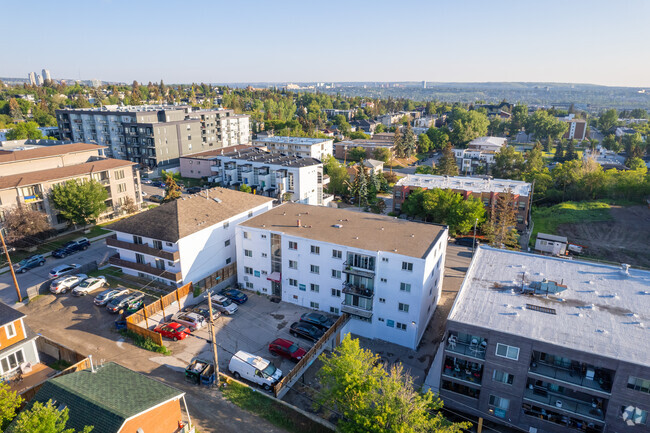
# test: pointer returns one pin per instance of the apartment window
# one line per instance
(382, 300)
(336, 274)
(637, 384)
(334, 310)
(498, 406)
(405, 287)
(227, 243)
(506, 351)
(315, 249)
(228, 260)
(400, 326)
(337, 254)
(248, 270)
(121, 187)
(248, 253)
(293, 282)
(250, 214)
(293, 264)
(264, 255)
(336, 292)
(503, 377)
(403, 307)
(169, 244)
(12, 361)
(314, 305)
(407, 266)
(263, 236)
(227, 224)
(10, 330)
(249, 285)
(137, 240)
(384, 259)
(383, 280)
(314, 269)
(293, 245)
(119, 174)
(139, 258)
(314, 288)
(157, 244)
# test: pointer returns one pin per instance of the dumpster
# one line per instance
(194, 369)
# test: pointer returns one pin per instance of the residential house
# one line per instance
(485, 189)
(367, 126)
(545, 344)
(185, 240)
(18, 351)
(386, 273)
(374, 165)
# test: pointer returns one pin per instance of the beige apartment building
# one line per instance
(27, 177)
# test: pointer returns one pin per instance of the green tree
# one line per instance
(467, 125)
(608, 119)
(380, 128)
(611, 143)
(398, 143)
(447, 163)
(519, 118)
(172, 190)
(559, 151)
(425, 169)
(408, 141)
(508, 163)
(448, 207)
(357, 153)
(636, 163)
(439, 137)
(424, 143)
(373, 400)
(382, 154)
(43, 418)
(338, 176)
(633, 145)
(358, 135)
(545, 126)
(10, 402)
(245, 188)
(534, 160)
(80, 202)
(501, 228)
(570, 153)
(24, 130)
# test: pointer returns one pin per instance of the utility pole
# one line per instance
(11, 267)
(214, 342)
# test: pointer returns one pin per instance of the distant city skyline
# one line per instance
(470, 41)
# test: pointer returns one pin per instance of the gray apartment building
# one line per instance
(548, 344)
(154, 136)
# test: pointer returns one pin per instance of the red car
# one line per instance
(287, 349)
(172, 330)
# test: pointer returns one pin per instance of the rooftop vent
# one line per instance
(218, 200)
(338, 226)
(625, 269)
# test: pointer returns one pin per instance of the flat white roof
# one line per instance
(604, 310)
(466, 183)
(492, 141)
(293, 140)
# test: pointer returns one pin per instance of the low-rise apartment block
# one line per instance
(184, 240)
(27, 176)
(151, 135)
(577, 129)
(485, 189)
(297, 146)
(385, 272)
(479, 152)
(342, 148)
(546, 344)
(272, 174)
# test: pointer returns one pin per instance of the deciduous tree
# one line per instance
(608, 119)
(44, 418)
(501, 228)
(173, 191)
(25, 226)
(382, 154)
(80, 202)
(10, 401)
(24, 130)
(508, 163)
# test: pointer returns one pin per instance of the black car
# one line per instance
(119, 303)
(306, 331)
(193, 190)
(467, 241)
(71, 248)
(318, 320)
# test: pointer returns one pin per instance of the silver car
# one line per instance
(63, 284)
(108, 295)
(191, 320)
(88, 285)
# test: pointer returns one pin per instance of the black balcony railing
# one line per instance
(356, 290)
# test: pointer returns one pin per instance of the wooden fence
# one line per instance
(309, 357)
(146, 333)
(159, 305)
(221, 275)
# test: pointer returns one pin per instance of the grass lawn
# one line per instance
(547, 219)
(109, 273)
(276, 413)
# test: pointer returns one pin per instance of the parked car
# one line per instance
(203, 310)
(467, 241)
(223, 304)
(61, 270)
(306, 330)
(88, 285)
(191, 320)
(119, 302)
(254, 368)
(144, 194)
(234, 295)
(159, 184)
(135, 303)
(172, 330)
(108, 295)
(156, 198)
(287, 349)
(71, 248)
(146, 181)
(29, 263)
(63, 284)
(193, 190)
(320, 321)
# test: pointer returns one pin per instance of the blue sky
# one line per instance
(597, 41)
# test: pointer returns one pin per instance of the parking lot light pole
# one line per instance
(11, 267)
(214, 342)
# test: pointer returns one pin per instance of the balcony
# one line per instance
(358, 290)
(143, 248)
(561, 402)
(115, 260)
(461, 369)
(356, 311)
(348, 269)
(467, 345)
(576, 374)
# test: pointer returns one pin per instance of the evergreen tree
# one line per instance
(534, 159)
(501, 228)
(363, 186)
(397, 142)
(559, 151)
(570, 153)
(408, 141)
(447, 163)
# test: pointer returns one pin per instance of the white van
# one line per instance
(254, 368)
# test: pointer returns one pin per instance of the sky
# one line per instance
(579, 41)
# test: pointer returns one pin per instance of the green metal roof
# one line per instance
(105, 398)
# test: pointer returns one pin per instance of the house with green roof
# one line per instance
(115, 399)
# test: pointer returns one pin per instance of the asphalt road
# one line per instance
(98, 251)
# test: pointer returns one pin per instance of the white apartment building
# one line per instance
(272, 174)
(386, 273)
(479, 152)
(297, 146)
(184, 240)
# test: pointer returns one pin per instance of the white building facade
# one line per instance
(298, 146)
(389, 295)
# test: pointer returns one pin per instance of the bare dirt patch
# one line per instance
(623, 240)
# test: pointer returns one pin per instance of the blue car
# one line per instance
(29, 263)
(234, 295)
